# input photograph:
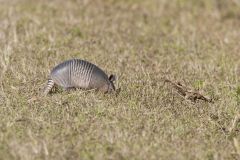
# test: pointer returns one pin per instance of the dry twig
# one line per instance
(187, 93)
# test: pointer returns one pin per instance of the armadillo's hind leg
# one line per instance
(68, 89)
(49, 87)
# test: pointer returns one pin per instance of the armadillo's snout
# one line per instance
(111, 87)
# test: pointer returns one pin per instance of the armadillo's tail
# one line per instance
(49, 86)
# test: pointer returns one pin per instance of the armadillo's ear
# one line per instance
(112, 78)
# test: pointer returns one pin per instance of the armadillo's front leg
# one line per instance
(104, 89)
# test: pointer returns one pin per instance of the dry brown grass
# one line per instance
(195, 42)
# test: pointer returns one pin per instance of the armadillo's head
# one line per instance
(111, 87)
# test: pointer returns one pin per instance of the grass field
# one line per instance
(196, 42)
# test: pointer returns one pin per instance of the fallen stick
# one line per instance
(188, 93)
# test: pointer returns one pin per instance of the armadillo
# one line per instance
(77, 73)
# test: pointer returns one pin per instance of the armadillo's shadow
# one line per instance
(58, 90)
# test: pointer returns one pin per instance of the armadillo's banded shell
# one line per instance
(77, 73)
